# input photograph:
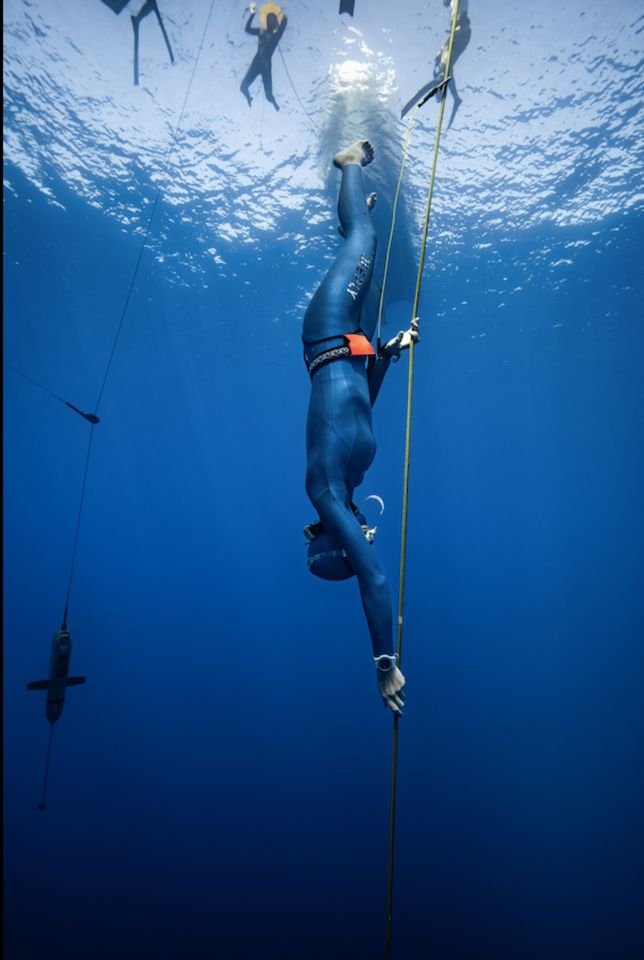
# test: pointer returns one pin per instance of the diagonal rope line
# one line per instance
(166, 163)
(279, 49)
(124, 312)
(31, 380)
(81, 504)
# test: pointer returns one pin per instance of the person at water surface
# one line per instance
(346, 376)
(267, 39)
(462, 37)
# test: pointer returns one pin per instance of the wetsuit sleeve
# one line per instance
(254, 31)
(282, 28)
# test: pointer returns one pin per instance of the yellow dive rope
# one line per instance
(405, 502)
(393, 224)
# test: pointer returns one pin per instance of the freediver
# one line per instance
(437, 85)
(462, 36)
(340, 445)
(267, 40)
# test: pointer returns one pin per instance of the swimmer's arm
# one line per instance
(379, 364)
(254, 31)
(282, 27)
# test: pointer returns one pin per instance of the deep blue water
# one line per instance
(220, 786)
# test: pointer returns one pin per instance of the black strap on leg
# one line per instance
(328, 356)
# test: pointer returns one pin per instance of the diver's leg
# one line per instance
(135, 27)
(353, 205)
(451, 86)
(163, 30)
(267, 79)
(439, 65)
(251, 74)
(336, 304)
(439, 71)
(371, 201)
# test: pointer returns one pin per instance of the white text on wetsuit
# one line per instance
(359, 276)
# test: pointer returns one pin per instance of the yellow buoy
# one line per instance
(270, 8)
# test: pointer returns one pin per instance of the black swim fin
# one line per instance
(424, 94)
(116, 5)
(346, 6)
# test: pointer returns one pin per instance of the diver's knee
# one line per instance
(370, 236)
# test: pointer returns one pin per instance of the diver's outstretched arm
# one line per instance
(402, 341)
(390, 682)
(390, 352)
(254, 31)
(340, 521)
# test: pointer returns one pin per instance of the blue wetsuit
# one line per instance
(339, 437)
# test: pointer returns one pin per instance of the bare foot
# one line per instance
(360, 152)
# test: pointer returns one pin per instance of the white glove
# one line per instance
(402, 341)
(252, 8)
